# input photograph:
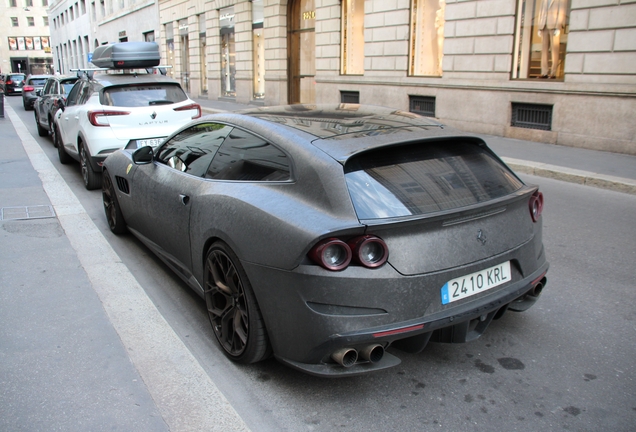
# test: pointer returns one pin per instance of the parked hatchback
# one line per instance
(109, 110)
(13, 83)
(54, 93)
(31, 90)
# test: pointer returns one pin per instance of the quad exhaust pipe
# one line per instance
(347, 357)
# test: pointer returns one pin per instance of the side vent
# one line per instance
(352, 97)
(122, 185)
(532, 116)
(422, 105)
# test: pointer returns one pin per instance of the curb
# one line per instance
(571, 175)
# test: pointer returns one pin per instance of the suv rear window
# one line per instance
(425, 178)
(143, 95)
(37, 81)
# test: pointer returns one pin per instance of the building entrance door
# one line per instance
(302, 52)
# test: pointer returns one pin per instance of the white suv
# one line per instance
(114, 110)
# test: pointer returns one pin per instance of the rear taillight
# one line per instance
(193, 106)
(369, 251)
(334, 254)
(536, 205)
(28, 88)
(9, 82)
(100, 118)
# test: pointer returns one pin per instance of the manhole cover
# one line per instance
(27, 212)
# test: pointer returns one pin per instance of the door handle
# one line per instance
(184, 199)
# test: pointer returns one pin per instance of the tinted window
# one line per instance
(37, 81)
(244, 156)
(74, 94)
(192, 150)
(143, 95)
(67, 86)
(425, 178)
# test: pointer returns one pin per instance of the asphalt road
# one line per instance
(567, 363)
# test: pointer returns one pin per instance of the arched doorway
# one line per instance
(302, 51)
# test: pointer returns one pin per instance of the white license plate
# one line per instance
(153, 142)
(474, 283)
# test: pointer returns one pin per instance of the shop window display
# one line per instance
(426, 47)
(541, 37)
(352, 46)
(228, 53)
(258, 49)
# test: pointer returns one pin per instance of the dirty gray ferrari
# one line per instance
(323, 235)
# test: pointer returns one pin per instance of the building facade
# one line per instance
(556, 71)
(80, 26)
(24, 37)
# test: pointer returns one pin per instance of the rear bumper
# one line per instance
(309, 316)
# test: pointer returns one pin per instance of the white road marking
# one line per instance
(185, 395)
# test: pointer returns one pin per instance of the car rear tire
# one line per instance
(41, 131)
(92, 179)
(61, 153)
(232, 308)
(114, 216)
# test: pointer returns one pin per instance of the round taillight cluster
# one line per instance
(536, 205)
(335, 254)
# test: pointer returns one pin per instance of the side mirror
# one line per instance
(38, 92)
(61, 104)
(143, 155)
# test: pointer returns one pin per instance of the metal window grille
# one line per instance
(532, 116)
(422, 105)
(352, 97)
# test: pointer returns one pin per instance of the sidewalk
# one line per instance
(605, 170)
(80, 351)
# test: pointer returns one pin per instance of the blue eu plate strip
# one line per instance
(445, 296)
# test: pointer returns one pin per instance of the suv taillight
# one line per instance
(100, 118)
(191, 107)
(28, 88)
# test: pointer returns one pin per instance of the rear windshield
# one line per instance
(37, 81)
(425, 178)
(143, 95)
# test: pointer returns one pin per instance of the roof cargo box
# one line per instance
(127, 55)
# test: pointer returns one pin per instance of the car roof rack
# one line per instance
(90, 72)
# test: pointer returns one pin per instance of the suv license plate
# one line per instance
(153, 142)
(474, 283)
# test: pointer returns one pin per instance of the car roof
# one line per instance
(38, 76)
(112, 79)
(346, 129)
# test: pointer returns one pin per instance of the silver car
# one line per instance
(325, 235)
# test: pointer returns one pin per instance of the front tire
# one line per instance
(114, 216)
(234, 314)
(92, 179)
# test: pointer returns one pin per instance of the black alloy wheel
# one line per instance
(92, 179)
(114, 216)
(232, 308)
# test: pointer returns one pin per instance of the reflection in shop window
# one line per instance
(541, 36)
(258, 49)
(228, 53)
(426, 48)
(352, 46)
